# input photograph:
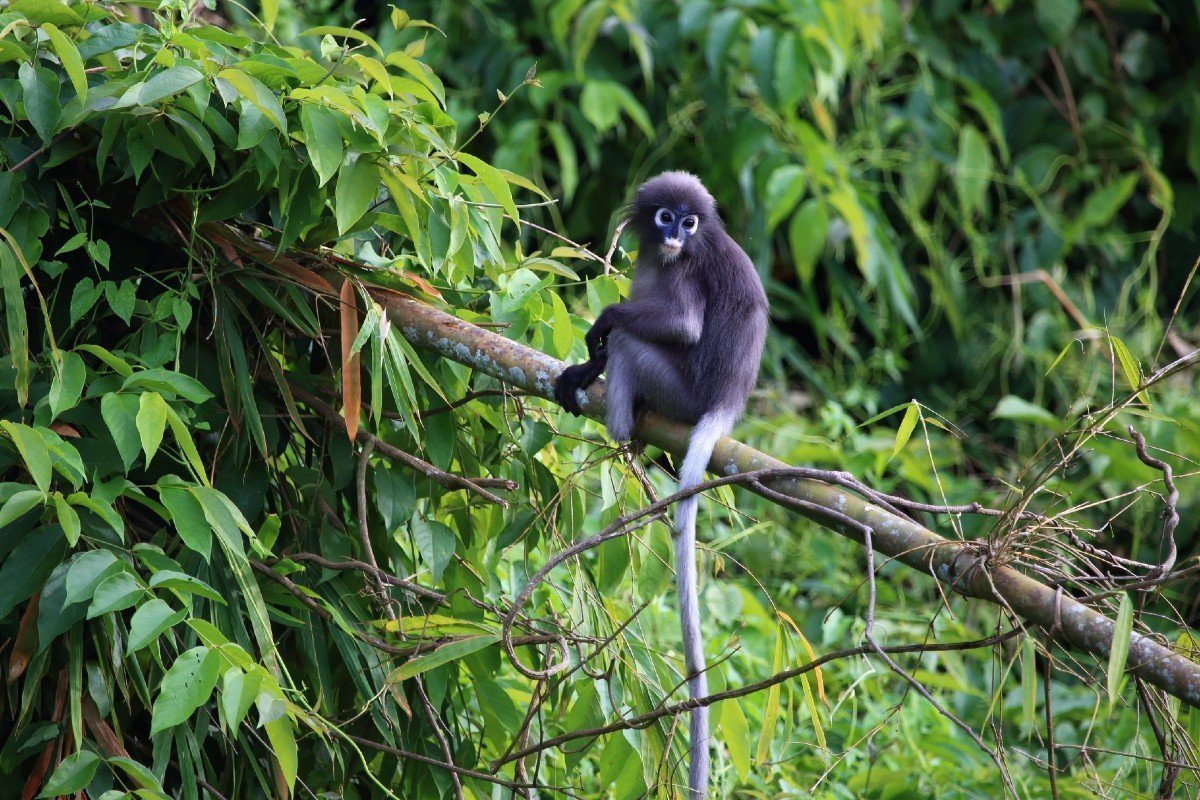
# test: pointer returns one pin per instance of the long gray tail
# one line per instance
(705, 435)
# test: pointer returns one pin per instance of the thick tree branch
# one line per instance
(960, 565)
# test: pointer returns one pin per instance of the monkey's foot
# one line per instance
(567, 387)
(635, 447)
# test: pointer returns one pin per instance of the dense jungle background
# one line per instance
(258, 540)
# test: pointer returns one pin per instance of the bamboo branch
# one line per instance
(960, 565)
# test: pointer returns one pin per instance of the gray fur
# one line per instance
(687, 343)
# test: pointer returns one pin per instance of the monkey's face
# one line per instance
(675, 226)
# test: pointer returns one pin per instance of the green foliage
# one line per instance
(194, 222)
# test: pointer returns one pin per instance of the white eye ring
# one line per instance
(664, 217)
(690, 222)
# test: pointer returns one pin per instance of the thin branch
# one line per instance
(446, 479)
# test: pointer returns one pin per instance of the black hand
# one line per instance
(596, 335)
(580, 376)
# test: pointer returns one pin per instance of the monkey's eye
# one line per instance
(664, 217)
(690, 222)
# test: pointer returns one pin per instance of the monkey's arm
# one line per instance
(678, 320)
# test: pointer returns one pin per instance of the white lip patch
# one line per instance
(670, 248)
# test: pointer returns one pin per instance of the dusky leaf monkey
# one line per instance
(687, 344)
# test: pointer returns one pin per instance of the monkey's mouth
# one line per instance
(670, 249)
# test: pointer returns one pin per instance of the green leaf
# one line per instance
(186, 686)
(442, 655)
(29, 564)
(322, 140)
(238, 691)
(73, 774)
(1119, 654)
(282, 736)
(435, 542)
(164, 84)
(972, 169)
(1057, 17)
(40, 89)
(1018, 410)
(357, 184)
(119, 412)
(33, 450)
(16, 325)
(1029, 684)
(771, 709)
(116, 364)
(68, 56)
(21, 504)
(115, 593)
(1102, 206)
(39, 12)
(494, 182)
(68, 518)
(254, 92)
(1129, 365)
(807, 233)
(149, 621)
(183, 584)
(67, 385)
(785, 187)
(170, 383)
(735, 733)
(87, 572)
(906, 428)
(151, 422)
(188, 516)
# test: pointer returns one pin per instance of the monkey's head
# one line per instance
(674, 214)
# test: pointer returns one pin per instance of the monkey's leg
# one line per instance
(621, 389)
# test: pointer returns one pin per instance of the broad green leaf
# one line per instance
(151, 422)
(1018, 410)
(357, 183)
(1129, 365)
(29, 565)
(807, 232)
(115, 593)
(442, 655)
(68, 518)
(1119, 654)
(142, 777)
(21, 504)
(87, 572)
(39, 12)
(68, 56)
(73, 774)
(188, 516)
(67, 385)
(183, 438)
(785, 188)
(972, 169)
(149, 621)
(186, 686)
(238, 691)
(161, 85)
(493, 180)
(40, 89)
(184, 585)
(345, 33)
(33, 450)
(115, 363)
(254, 92)
(282, 736)
(435, 542)
(119, 412)
(1102, 206)
(322, 140)
(169, 383)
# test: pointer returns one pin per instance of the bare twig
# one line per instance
(1170, 514)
